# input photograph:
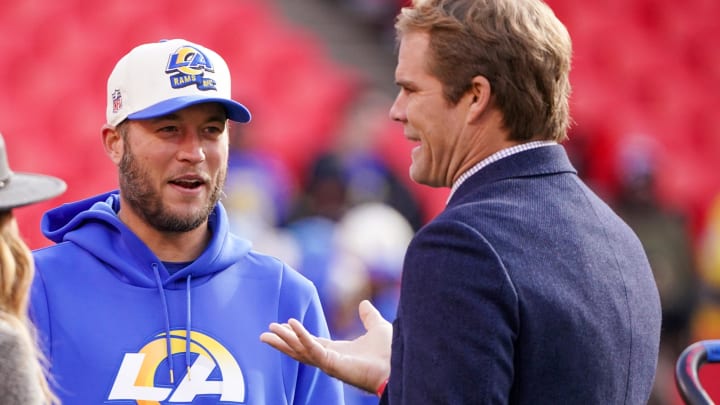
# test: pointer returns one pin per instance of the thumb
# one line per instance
(369, 315)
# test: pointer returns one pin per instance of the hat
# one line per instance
(159, 78)
(19, 189)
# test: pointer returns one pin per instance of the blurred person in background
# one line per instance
(351, 223)
(147, 296)
(368, 244)
(351, 171)
(527, 288)
(22, 365)
(342, 179)
(375, 236)
(258, 196)
(357, 148)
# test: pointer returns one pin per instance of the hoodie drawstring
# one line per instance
(187, 329)
(168, 347)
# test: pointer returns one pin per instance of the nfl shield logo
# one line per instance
(116, 101)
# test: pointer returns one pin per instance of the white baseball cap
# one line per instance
(162, 77)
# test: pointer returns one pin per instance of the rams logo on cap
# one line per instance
(187, 66)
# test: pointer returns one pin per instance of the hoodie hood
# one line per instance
(93, 225)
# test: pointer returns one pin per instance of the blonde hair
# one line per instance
(519, 46)
(16, 273)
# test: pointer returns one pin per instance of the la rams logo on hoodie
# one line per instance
(187, 66)
(142, 376)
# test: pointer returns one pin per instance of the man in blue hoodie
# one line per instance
(146, 297)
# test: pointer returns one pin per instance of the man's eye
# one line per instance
(214, 130)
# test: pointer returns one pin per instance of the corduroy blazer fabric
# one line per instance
(526, 289)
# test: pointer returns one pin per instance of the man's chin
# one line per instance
(178, 224)
(418, 176)
(182, 217)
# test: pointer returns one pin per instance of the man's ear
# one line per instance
(113, 143)
(480, 100)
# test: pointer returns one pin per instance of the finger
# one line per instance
(301, 333)
(280, 328)
(369, 315)
(309, 342)
(288, 335)
(313, 348)
(276, 342)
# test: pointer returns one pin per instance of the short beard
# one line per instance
(147, 202)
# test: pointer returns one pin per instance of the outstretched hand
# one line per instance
(363, 362)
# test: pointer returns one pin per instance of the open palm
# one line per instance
(363, 362)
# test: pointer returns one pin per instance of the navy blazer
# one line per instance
(526, 289)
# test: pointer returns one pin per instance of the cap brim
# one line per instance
(235, 111)
(27, 188)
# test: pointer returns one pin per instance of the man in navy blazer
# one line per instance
(527, 288)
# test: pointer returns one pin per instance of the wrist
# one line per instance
(381, 389)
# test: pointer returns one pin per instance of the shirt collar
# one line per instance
(503, 153)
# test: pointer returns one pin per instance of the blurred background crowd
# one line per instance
(319, 177)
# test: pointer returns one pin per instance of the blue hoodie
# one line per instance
(109, 312)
